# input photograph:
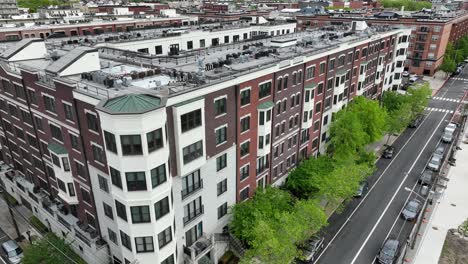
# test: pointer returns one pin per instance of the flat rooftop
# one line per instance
(125, 71)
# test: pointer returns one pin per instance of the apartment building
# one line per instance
(431, 32)
(137, 157)
(8, 8)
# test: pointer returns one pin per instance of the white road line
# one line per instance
(395, 194)
(370, 190)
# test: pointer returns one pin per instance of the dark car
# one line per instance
(388, 152)
(388, 253)
(311, 248)
(411, 210)
(416, 121)
(363, 188)
(426, 177)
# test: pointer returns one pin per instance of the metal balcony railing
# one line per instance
(193, 215)
(192, 189)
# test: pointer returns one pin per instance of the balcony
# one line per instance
(192, 189)
(193, 215)
(199, 249)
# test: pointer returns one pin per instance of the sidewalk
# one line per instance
(447, 213)
(436, 81)
(21, 216)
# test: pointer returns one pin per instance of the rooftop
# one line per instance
(124, 72)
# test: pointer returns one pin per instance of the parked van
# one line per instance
(13, 252)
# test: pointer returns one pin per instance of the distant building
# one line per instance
(8, 8)
(431, 31)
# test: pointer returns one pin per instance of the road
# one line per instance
(355, 235)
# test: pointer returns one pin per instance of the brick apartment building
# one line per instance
(429, 38)
(139, 156)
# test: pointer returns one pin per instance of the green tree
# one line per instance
(448, 65)
(50, 250)
(347, 135)
(418, 98)
(399, 113)
(371, 116)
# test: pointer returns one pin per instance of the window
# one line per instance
(330, 84)
(221, 135)
(168, 260)
(32, 97)
(158, 49)
(86, 196)
(244, 172)
(245, 97)
(245, 148)
(66, 164)
(155, 140)
(110, 142)
(222, 210)
(49, 103)
(158, 175)
(220, 106)
(92, 122)
(165, 237)
(191, 183)
(190, 120)
(38, 122)
(192, 210)
(115, 177)
(125, 240)
(189, 45)
(20, 91)
(74, 142)
(244, 194)
(322, 68)
(140, 214)
(144, 244)
(331, 65)
(68, 112)
(279, 85)
(245, 124)
(222, 187)
(26, 116)
(61, 185)
(108, 210)
(221, 162)
(103, 183)
(285, 82)
(318, 107)
(121, 210)
(161, 208)
(136, 181)
(131, 145)
(56, 132)
(192, 152)
(193, 234)
(112, 236)
(264, 90)
(294, 78)
(98, 154)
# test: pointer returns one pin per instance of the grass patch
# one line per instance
(38, 225)
(10, 199)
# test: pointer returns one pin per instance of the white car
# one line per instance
(413, 78)
(405, 74)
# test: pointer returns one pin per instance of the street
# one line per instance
(356, 235)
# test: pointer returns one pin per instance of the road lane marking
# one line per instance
(370, 190)
(396, 192)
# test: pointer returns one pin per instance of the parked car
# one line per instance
(434, 163)
(416, 121)
(411, 210)
(388, 152)
(363, 188)
(450, 127)
(13, 252)
(447, 137)
(440, 150)
(426, 177)
(389, 252)
(311, 248)
(413, 78)
(405, 74)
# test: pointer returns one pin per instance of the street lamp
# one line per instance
(420, 196)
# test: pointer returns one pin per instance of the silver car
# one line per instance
(440, 150)
(447, 137)
(13, 251)
(411, 210)
(434, 163)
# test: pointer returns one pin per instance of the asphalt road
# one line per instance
(355, 235)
